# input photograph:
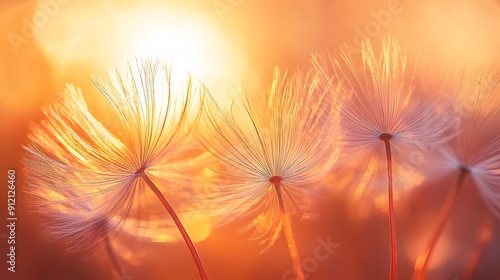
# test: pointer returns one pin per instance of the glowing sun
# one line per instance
(190, 42)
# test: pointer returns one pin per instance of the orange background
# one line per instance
(251, 37)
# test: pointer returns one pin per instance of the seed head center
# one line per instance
(140, 170)
(275, 180)
(385, 136)
(464, 169)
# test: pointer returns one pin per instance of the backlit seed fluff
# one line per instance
(85, 176)
(475, 147)
(376, 96)
(277, 136)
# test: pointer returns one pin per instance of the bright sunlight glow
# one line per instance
(190, 43)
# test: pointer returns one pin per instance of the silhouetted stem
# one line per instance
(112, 257)
(390, 190)
(424, 258)
(179, 225)
(287, 230)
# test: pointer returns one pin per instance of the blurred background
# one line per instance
(45, 44)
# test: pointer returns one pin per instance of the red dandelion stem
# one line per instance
(287, 229)
(424, 258)
(386, 137)
(177, 221)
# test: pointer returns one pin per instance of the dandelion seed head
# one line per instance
(377, 103)
(376, 98)
(86, 177)
(278, 138)
(474, 101)
(475, 148)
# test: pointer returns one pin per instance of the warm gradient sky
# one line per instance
(222, 43)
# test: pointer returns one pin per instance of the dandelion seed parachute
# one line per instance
(473, 151)
(71, 152)
(377, 95)
(273, 149)
(379, 110)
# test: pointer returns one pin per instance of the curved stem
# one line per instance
(287, 230)
(178, 223)
(390, 191)
(112, 257)
(424, 258)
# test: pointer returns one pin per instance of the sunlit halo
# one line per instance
(189, 42)
(173, 45)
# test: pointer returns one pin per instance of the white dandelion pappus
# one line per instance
(111, 170)
(379, 109)
(379, 97)
(273, 149)
(474, 151)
